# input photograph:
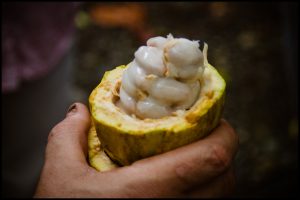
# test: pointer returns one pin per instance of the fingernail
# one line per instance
(72, 109)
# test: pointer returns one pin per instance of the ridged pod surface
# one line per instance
(126, 139)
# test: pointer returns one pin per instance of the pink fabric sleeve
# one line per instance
(35, 36)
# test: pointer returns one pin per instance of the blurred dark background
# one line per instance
(253, 45)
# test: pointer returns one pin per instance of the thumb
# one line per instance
(67, 141)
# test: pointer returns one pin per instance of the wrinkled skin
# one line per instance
(201, 169)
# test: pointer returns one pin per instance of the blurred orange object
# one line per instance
(128, 15)
(131, 16)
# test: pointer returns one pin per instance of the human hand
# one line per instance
(200, 169)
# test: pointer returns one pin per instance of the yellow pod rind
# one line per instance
(126, 139)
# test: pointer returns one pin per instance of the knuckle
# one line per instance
(182, 174)
(218, 158)
(187, 175)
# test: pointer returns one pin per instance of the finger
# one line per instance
(221, 186)
(67, 141)
(178, 170)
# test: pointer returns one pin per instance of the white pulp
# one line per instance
(163, 78)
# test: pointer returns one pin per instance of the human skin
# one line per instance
(200, 169)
